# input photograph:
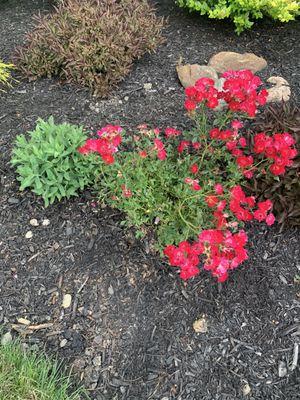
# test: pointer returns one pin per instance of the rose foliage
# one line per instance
(189, 185)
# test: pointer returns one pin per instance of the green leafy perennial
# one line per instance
(48, 162)
(243, 11)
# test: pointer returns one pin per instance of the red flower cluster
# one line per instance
(186, 257)
(203, 91)
(171, 132)
(242, 207)
(160, 148)
(224, 251)
(278, 148)
(106, 145)
(226, 135)
(194, 183)
(240, 91)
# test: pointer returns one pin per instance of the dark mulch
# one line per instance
(127, 306)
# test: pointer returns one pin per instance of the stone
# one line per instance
(148, 86)
(246, 389)
(280, 91)
(228, 60)
(200, 325)
(28, 235)
(13, 200)
(63, 343)
(46, 222)
(188, 74)
(97, 361)
(67, 300)
(6, 338)
(34, 222)
(282, 369)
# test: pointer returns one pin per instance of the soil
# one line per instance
(129, 329)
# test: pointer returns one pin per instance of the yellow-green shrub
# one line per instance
(242, 12)
(5, 70)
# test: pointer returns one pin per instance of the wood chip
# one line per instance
(23, 321)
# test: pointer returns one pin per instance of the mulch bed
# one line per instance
(129, 330)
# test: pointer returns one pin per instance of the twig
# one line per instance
(295, 357)
(83, 285)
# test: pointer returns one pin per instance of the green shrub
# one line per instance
(243, 11)
(27, 376)
(285, 191)
(49, 163)
(93, 42)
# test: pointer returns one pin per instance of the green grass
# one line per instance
(25, 375)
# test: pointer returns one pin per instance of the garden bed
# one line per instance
(129, 329)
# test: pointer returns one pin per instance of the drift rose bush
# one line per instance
(189, 185)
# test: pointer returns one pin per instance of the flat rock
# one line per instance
(228, 60)
(280, 91)
(189, 74)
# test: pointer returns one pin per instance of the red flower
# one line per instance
(242, 142)
(194, 183)
(260, 215)
(161, 152)
(276, 169)
(236, 125)
(194, 169)
(218, 188)
(190, 105)
(270, 219)
(169, 132)
(214, 133)
(183, 145)
(211, 201)
(143, 154)
(126, 192)
(196, 145)
(244, 161)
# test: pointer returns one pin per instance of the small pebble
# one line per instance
(148, 86)
(28, 235)
(246, 389)
(67, 300)
(46, 222)
(13, 200)
(97, 339)
(97, 361)
(282, 369)
(110, 290)
(63, 343)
